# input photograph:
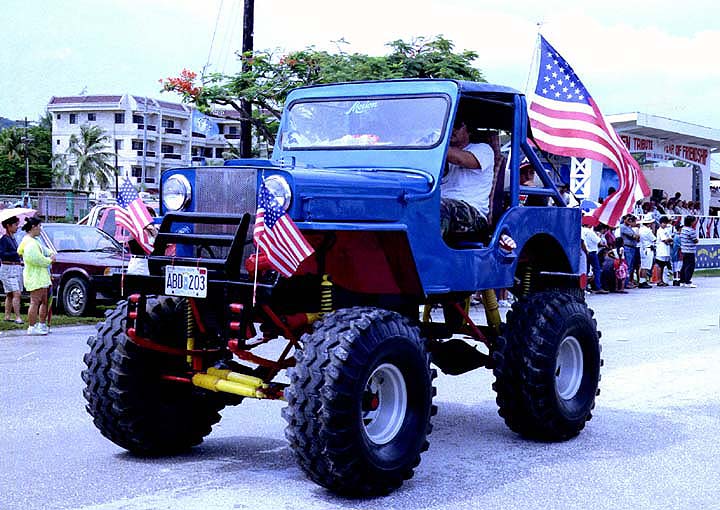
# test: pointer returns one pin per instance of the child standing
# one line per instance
(676, 254)
(621, 268)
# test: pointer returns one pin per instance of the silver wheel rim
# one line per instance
(384, 403)
(569, 368)
(76, 297)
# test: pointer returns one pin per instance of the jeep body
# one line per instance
(358, 168)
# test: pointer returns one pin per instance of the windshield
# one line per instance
(80, 238)
(378, 123)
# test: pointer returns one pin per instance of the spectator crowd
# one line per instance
(653, 246)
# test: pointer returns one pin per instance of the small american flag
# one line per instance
(278, 236)
(565, 120)
(132, 214)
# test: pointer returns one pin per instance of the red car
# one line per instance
(87, 269)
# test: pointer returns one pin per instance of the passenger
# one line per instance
(527, 178)
(465, 187)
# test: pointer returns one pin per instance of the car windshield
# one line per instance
(377, 123)
(80, 238)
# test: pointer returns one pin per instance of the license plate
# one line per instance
(186, 281)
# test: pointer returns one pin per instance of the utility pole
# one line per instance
(26, 142)
(247, 45)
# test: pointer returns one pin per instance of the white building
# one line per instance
(147, 135)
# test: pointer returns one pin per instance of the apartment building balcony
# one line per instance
(233, 136)
(150, 127)
(149, 154)
(170, 155)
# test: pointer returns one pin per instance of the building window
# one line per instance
(232, 130)
(137, 145)
(57, 142)
(59, 116)
(73, 118)
(118, 145)
(136, 171)
(119, 118)
(167, 149)
(91, 117)
(221, 129)
(218, 152)
(138, 119)
(168, 123)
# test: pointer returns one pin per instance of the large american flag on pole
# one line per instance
(132, 214)
(277, 235)
(565, 120)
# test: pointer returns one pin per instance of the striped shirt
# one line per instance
(688, 240)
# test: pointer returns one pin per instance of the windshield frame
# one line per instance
(377, 97)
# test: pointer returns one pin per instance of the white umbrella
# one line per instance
(20, 212)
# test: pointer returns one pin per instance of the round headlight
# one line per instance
(176, 192)
(278, 186)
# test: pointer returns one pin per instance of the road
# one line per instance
(653, 442)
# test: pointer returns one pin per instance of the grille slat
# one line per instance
(225, 190)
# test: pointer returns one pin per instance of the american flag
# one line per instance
(278, 236)
(132, 214)
(565, 120)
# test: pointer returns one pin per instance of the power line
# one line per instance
(212, 41)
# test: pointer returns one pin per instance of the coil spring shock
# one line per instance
(526, 281)
(326, 295)
(190, 329)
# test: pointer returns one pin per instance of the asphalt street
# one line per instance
(653, 441)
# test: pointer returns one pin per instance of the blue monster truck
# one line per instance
(358, 167)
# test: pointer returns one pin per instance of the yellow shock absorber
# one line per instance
(190, 331)
(492, 310)
(230, 382)
(527, 281)
(326, 295)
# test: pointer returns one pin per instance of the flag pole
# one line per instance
(257, 255)
(532, 69)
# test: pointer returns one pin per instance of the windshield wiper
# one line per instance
(107, 249)
(70, 250)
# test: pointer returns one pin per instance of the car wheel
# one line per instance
(76, 298)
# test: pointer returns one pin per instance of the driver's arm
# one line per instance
(463, 158)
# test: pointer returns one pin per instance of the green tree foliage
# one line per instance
(267, 78)
(87, 161)
(17, 142)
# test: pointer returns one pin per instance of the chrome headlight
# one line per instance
(278, 186)
(176, 192)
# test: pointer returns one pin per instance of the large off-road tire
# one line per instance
(360, 401)
(547, 366)
(129, 402)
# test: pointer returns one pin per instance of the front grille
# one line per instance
(230, 190)
(226, 190)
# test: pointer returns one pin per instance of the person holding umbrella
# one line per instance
(36, 276)
(11, 271)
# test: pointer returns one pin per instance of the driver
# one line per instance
(466, 185)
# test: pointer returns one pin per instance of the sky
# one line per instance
(654, 57)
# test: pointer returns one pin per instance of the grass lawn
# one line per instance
(58, 319)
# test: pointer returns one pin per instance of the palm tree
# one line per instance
(12, 144)
(91, 157)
